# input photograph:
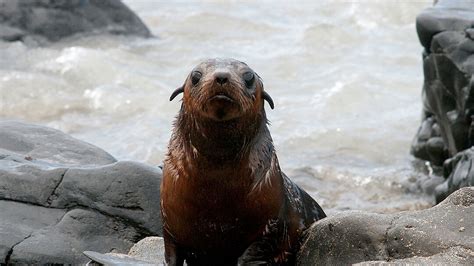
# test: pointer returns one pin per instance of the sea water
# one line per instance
(346, 78)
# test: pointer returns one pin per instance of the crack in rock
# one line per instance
(387, 249)
(74, 205)
(142, 230)
(27, 203)
(10, 252)
(50, 199)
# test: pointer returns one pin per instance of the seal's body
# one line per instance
(224, 198)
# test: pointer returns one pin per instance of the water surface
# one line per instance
(346, 79)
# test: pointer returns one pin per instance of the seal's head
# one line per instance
(222, 90)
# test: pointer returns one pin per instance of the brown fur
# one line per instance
(224, 198)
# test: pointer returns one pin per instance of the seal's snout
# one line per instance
(222, 77)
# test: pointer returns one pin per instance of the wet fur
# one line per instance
(224, 198)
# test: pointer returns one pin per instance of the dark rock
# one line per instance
(125, 190)
(78, 230)
(460, 174)
(446, 15)
(56, 19)
(61, 196)
(353, 237)
(448, 90)
(428, 144)
(25, 181)
(18, 221)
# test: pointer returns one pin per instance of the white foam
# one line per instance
(345, 76)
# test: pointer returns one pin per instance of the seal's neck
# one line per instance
(220, 141)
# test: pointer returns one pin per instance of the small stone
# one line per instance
(461, 229)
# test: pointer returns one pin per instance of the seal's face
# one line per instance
(223, 89)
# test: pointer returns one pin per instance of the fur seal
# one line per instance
(224, 199)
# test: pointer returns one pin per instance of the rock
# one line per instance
(428, 144)
(78, 230)
(460, 174)
(113, 259)
(18, 221)
(447, 126)
(444, 233)
(54, 19)
(344, 239)
(148, 251)
(441, 235)
(61, 196)
(446, 15)
(126, 190)
(50, 146)
(450, 256)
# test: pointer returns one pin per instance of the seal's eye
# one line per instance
(195, 77)
(249, 79)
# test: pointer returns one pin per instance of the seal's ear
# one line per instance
(176, 92)
(267, 97)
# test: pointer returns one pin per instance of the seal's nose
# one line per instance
(222, 77)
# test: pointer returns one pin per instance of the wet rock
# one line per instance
(459, 174)
(126, 190)
(19, 220)
(428, 144)
(443, 233)
(60, 196)
(78, 230)
(447, 126)
(53, 20)
(446, 15)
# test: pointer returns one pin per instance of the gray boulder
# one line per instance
(52, 20)
(443, 234)
(446, 32)
(60, 196)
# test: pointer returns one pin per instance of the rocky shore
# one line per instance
(446, 133)
(442, 235)
(64, 201)
(60, 196)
